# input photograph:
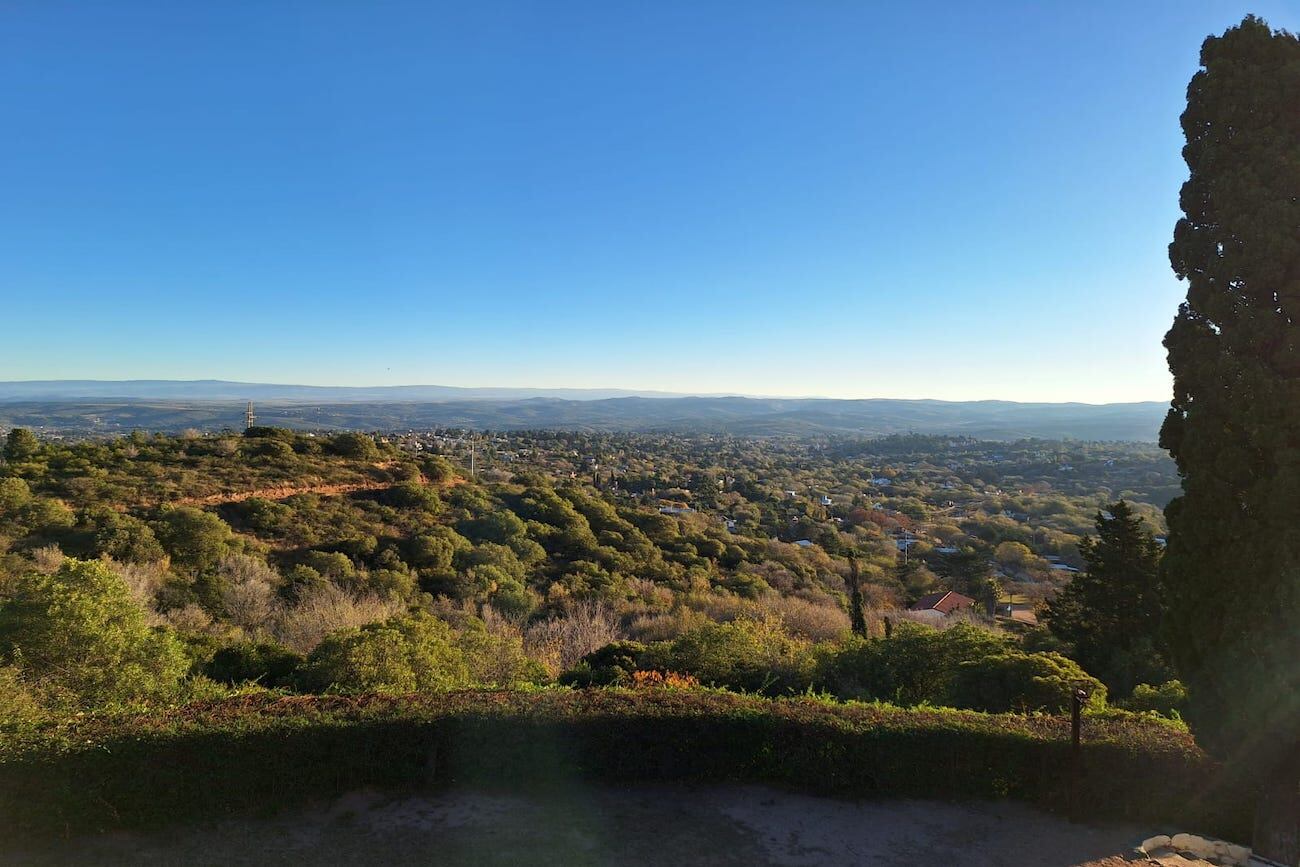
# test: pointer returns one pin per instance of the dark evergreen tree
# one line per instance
(857, 617)
(20, 445)
(1232, 569)
(966, 570)
(1110, 613)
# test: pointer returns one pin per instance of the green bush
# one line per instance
(746, 654)
(412, 495)
(610, 665)
(1168, 699)
(264, 662)
(1022, 682)
(416, 653)
(18, 705)
(79, 633)
(401, 655)
(195, 539)
(914, 665)
(353, 445)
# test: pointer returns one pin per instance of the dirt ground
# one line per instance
(652, 825)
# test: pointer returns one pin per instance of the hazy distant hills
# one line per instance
(217, 389)
(104, 407)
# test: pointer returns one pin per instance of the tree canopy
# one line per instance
(78, 632)
(1232, 571)
(1110, 613)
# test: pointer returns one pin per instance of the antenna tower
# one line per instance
(248, 416)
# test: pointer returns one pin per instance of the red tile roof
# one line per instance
(945, 602)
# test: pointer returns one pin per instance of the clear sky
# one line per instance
(812, 197)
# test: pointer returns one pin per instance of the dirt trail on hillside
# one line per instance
(598, 825)
(282, 492)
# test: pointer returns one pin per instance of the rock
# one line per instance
(1237, 854)
(1159, 841)
(1194, 844)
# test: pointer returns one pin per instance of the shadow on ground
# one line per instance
(652, 825)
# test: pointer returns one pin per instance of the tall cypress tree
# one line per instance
(857, 617)
(1231, 573)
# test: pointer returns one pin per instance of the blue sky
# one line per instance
(849, 199)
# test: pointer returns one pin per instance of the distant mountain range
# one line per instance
(218, 389)
(82, 407)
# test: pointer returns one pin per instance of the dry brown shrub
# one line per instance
(722, 607)
(248, 591)
(325, 608)
(48, 559)
(662, 627)
(144, 580)
(559, 642)
(650, 594)
(191, 618)
(817, 621)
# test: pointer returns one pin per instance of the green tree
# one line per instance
(857, 617)
(1232, 570)
(20, 445)
(1015, 554)
(14, 494)
(966, 570)
(194, 538)
(354, 445)
(79, 633)
(1110, 613)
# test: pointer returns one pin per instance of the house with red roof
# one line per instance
(941, 604)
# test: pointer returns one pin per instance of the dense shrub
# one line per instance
(753, 655)
(79, 633)
(606, 666)
(17, 703)
(1019, 681)
(914, 665)
(263, 662)
(353, 445)
(404, 654)
(1167, 699)
(194, 539)
(416, 653)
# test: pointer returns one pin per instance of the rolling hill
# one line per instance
(105, 408)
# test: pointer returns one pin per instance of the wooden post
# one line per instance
(1076, 748)
(1076, 722)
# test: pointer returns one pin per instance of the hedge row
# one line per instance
(253, 753)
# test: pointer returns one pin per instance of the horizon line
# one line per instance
(648, 393)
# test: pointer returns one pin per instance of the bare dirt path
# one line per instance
(651, 825)
(281, 492)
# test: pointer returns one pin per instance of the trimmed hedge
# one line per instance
(258, 752)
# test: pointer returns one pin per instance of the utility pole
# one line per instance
(472, 473)
(248, 416)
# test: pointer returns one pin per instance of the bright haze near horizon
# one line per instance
(840, 199)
